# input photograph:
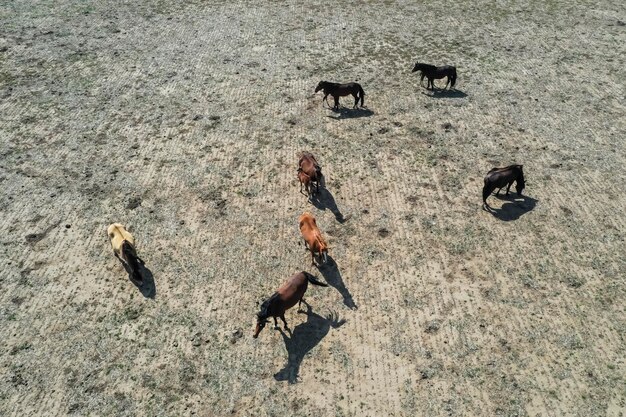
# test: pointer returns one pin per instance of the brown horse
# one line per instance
(312, 236)
(291, 292)
(339, 90)
(309, 173)
(123, 244)
(499, 177)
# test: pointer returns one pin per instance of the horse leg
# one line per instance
(508, 187)
(499, 189)
(356, 100)
(422, 80)
(336, 102)
(275, 323)
(282, 317)
(325, 100)
(312, 258)
(448, 82)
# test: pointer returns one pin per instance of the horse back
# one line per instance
(312, 234)
(348, 88)
(292, 290)
(309, 166)
(118, 234)
(499, 176)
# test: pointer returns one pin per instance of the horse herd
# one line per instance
(309, 174)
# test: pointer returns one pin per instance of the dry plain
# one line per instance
(183, 120)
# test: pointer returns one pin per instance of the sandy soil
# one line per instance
(183, 120)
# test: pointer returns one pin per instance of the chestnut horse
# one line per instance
(309, 173)
(432, 72)
(291, 292)
(339, 90)
(499, 177)
(312, 236)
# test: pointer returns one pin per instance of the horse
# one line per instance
(123, 244)
(291, 292)
(432, 72)
(499, 177)
(309, 173)
(339, 90)
(312, 236)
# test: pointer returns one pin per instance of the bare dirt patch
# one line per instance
(183, 121)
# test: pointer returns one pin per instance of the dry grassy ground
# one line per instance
(183, 120)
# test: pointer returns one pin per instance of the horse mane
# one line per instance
(428, 66)
(510, 167)
(264, 313)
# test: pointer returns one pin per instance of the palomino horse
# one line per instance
(339, 90)
(312, 236)
(499, 177)
(432, 72)
(123, 245)
(309, 173)
(291, 292)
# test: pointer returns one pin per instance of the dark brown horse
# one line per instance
(291, 292)
(309, 173)
(432, 73)
(499, 177)
(339, 90)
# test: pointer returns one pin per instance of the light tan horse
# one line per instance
(123, 244)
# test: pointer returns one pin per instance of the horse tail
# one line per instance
(130, 255)
(362, 93)
(314, 281)
(486, 191)
(453, 80)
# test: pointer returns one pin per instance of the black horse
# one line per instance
(432, 72)
(339, 90)
(499, 177)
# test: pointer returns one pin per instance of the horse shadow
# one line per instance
(331, 274)
(323, 199)
(443, 93)
(146, 287)
(349, 113)
(514, 207)
(302, 340)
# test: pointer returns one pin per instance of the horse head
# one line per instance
(262, 317)
(260, 324)
(320, 86)
(416, 67)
